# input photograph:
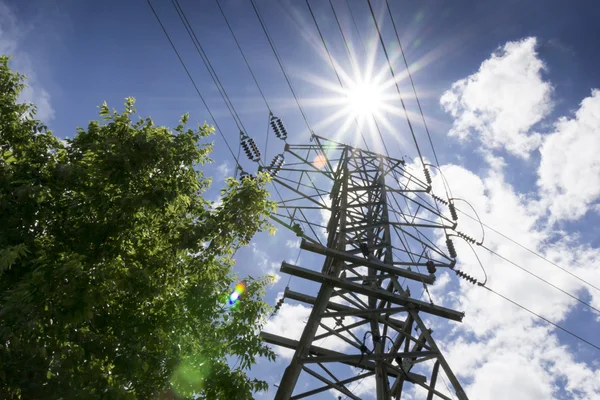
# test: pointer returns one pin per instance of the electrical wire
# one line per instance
(476, 214)
(531, 251)
(410, 127)
(545, 319)
(541, 279)
(193, 83)
(208, 64)
(401, 99)
(280, 62)
(295, 263)
(412, 83)
(355, 66)
(335, 68)
(446, 384)
(243, 56)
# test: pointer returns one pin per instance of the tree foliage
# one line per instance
(114, 268)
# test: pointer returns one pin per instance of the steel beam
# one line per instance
(320, 351)
(414, 304)
(381, 266)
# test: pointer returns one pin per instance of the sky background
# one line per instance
(508, 90)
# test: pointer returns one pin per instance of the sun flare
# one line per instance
(364, 99)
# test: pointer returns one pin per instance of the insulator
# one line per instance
(430, 267)
(282, 129)
(439, 199)
(453, 211)
(245, 145)
(274, 126)
(427, 175)
(364, 248)
(276, 164)
(247, 149)
(466, 237)
(451, 248)
(254, 148)
(297, 230)
(465, 276)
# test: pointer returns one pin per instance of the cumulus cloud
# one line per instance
(290, 321)
(500, 350)
(223, 170)
(265, 264)
(12, 34)
(497, 339)
(503, 100)
(292, 244)
(569, 172)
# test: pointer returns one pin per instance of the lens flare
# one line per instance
(234, 296)
(319, 161)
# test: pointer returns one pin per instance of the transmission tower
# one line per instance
(377, 225)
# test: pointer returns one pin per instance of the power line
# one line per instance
(355, 66)
(395, 82)
(531, 251)
(545, 319)
(193, 83)
(208, 64)
(364, 50)
(343, 36)
(412, 83)
(356, 28)
(540, 278)
(280, 62)
(243, 55)
(335, 69)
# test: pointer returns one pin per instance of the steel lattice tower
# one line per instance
(382, 228)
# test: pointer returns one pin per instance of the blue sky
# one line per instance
(507, 89)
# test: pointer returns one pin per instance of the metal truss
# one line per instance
(376, 225)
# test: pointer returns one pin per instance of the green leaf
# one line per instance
(103, 273)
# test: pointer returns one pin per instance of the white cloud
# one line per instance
(497, 339)
(501, 350)
(289, 322)
(503, 100)
(292, 244)
(223, 170)
(265, 264)
(504, 351)
(569, 172)
(12, 35)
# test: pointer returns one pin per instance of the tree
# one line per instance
(113, 268)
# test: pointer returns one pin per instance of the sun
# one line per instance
(363, 99)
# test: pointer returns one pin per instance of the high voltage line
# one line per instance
(412, 132)
(540, 278)
(531, 251)
(251, 73)
(280, 62)
(412, 82)
(193, 83)
(243, 55)
(335, 70)
(208, 65)
(543, 318)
